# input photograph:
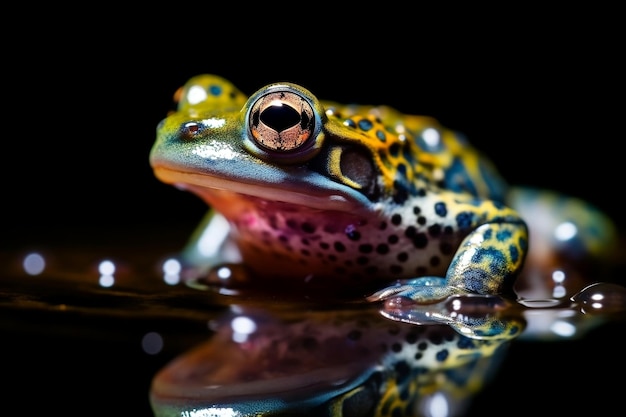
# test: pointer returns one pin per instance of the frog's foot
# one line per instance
(428, 300)
(423, 290)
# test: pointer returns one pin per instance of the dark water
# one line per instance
(74, 345)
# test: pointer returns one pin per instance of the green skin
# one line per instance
(308, 195)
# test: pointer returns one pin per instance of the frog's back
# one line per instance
(414, 152)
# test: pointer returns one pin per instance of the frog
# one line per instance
(386, 213)
(351, 199)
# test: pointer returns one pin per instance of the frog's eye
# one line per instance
(283, 123)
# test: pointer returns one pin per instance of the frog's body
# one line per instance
(344, 197)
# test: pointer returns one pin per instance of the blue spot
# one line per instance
(381, 135)
(365, 124)
(473, 280)
(442, 355)
(494, 257)
(488, 234)
(514, 253)
(441, 210)
(464, 220)
(523, 243)
(503, 235)
(465, 343)
(458, 179)
(349, 123)
(215, 90)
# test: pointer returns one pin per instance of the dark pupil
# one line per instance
(280, 118)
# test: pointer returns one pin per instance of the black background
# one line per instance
(542, 95)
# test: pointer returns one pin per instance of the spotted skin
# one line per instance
(352, 197)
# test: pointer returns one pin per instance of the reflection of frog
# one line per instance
(344, 197)
(350, 362)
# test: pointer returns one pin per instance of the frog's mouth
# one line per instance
(301, 188)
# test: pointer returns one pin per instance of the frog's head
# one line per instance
(280, 144)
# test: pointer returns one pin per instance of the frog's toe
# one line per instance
(424, 290)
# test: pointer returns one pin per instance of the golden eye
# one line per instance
(282, 121)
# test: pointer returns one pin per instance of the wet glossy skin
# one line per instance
(364, 201)
(347, 197)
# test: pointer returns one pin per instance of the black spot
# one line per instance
(382, 226)
(401, 192)
(402, 257)
(417, 210)
(307, 227)
(448, 230)
(339, 247)
(394, 150)
(420, 240)
(396, 219)
(435, 261)
(292, 223)
(332, 257)
(324, 245)
(421, 220)
(422, 346)
(362, 260)
(446, 248)
(403, 371)
(305, 241)
(410, 232)
(305, 252)
(283, 238)
(382, 248)
(434, 230)
(435, 338)
(393, 239)
(366, 248)
(418, 356)
(396, 347)
(411, 337)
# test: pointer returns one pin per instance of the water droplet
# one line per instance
(475, 305)
(602, 298)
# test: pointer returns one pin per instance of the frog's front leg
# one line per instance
(210, 245)
(486, 262)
